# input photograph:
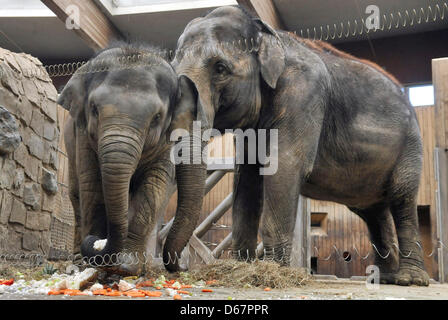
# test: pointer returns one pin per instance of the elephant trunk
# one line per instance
(190, 191)
(118, 154)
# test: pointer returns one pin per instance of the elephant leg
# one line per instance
(279, 214)
(147, 203)
(382, 235)
(246, 211)
(402, 191)
(411, 270)
(295, 153)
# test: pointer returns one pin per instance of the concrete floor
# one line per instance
(314, 290)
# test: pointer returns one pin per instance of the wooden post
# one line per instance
(301, 244)
(265, 10)
(440, 82)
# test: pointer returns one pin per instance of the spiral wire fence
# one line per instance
(135, 258)
(389, 21)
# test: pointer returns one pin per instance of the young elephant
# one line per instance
(121, 105)
(346, 133)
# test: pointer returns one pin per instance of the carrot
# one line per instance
(158, 288)
(73, 292)
(177, 297)
(144, 284)
(100, 292)
(267, 289)
(207, 290)
(78, 293)
(6, 282)
(113, 293)
(183, 292)
(186, 286)
(135, 294)
(154, 294)
(54, 292)
(210, 282)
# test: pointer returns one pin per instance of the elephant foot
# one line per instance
(125, 270)
(127, 265)
(406, 276)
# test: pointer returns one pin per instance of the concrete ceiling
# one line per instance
(45, 37)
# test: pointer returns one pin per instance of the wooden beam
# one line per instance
(94, 26)
(201, 251)
(440, 76)
(265, 10)
(301, 244)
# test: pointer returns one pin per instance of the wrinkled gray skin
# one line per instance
(346, 134)
(121, 175)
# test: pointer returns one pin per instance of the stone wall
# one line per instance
(28, 176)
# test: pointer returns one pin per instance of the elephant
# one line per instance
(346, 133)
(122, 104)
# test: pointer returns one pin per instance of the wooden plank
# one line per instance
(94, 28)
(440, 82)
(201, 250)
(265, 10)
(441, 207)
(300, 252)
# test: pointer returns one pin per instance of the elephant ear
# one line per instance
(72, 97)
(189, 107)
(271, 53)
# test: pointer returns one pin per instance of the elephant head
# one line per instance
(229, 60)
(122, 101)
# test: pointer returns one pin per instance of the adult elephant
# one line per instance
(122, 104)
(346, 133)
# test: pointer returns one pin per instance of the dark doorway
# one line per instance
(424, 223)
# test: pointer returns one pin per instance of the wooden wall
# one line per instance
(342, 231)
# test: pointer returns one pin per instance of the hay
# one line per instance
(237, 274)
(232, 273)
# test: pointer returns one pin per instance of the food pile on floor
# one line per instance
(156, 283)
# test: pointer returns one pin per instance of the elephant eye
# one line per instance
(94, 109)
(221, 69)
(156, 119)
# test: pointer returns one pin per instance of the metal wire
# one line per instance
(135, 258)
(394, 20)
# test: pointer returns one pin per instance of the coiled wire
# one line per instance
(400, 19)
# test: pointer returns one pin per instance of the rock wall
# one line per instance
(28, 176)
